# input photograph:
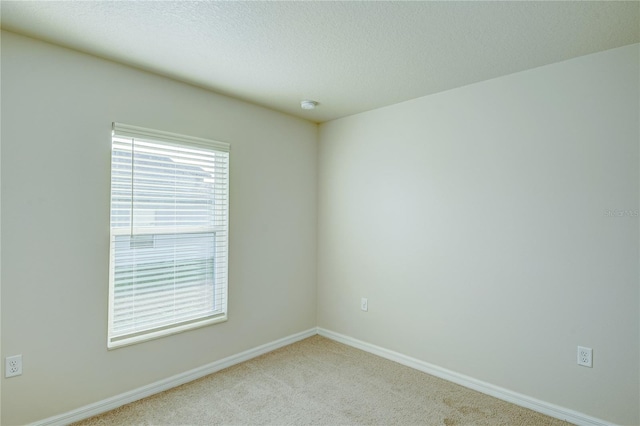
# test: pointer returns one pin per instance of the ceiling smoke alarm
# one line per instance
(308, 104)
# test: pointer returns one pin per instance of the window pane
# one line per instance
(163, 279)
(169, 213)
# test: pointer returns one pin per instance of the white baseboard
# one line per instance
(171, 382)
(466, 381)
(469, 382)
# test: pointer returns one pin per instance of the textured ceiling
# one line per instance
(349, 56)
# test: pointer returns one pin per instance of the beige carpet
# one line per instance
(321, 382)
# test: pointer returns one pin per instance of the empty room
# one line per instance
(310, 212)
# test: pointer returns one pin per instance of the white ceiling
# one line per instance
(348, 56)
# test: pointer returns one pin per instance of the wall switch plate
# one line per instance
(585, 356)
(13, 366)
(364, 304)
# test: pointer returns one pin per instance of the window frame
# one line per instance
(116, 340)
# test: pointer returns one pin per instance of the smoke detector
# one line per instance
(308, 104)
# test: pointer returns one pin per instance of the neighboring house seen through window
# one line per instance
(169, 234)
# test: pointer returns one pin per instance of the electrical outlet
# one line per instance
(364, 304)
(13, 366)
(585, 356)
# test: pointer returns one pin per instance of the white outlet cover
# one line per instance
(364, 304)
(585, 356)
(13, 366)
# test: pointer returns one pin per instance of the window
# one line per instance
(169, 234)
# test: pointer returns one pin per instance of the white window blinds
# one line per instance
(169, 233)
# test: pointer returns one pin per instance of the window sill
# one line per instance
(152, 335)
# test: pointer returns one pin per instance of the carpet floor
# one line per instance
(318, 381)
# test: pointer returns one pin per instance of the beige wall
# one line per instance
(475, 222)
(57, 109)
